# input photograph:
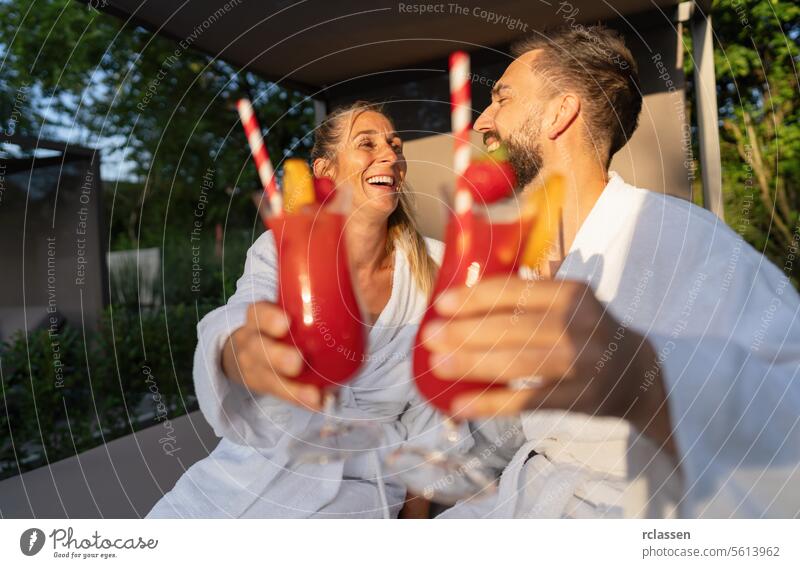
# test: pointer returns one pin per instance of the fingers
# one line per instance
(268, 318)
(561, 394)
(586, 395)
(282, 359)
(502, 402)
(507, 293)
(295, 393)
(498, 330)
(502, 364)
(498, 293)
(267, 367)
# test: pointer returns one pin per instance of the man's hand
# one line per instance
(508, 328)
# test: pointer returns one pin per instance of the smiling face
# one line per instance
(515, 118)
(370, 159)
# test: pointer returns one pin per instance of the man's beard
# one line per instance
(525, 152)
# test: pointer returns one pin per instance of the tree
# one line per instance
(756, 58)
(170, 109)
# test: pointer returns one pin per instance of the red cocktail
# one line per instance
(475, 248)
(481, 241)
(316, 292)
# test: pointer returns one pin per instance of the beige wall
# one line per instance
(656, 158)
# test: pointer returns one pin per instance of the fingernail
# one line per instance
(309, 396)
(462, 408)
(280, 325)
(291, 362)
(442, 364)
(431, 331)
(447, 302)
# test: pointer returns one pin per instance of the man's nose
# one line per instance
(485, 122)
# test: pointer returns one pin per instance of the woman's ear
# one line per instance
(323, 168)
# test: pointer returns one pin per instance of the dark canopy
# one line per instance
(310, 44)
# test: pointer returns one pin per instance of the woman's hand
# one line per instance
(254, 357)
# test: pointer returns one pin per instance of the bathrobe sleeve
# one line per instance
(731, 378)
(232, 410)
(725, 324)
(736, 424)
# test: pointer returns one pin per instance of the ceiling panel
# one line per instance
(316, 43)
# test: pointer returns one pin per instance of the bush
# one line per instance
(202, 273)
(47, 402)
(62, 396)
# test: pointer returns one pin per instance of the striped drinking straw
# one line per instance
(259, 150)
(460, 115)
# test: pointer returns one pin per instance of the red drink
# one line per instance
(315, 289)
(474, 249)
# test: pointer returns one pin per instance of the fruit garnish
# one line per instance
(298, 185)
(544, 203)
(489, 180)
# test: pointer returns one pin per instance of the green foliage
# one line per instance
(47, 397)
(105, 386)
(756, 56)
(171, 109)
(172, 115)
(219, 269)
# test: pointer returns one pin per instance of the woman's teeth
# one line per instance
(493, 146)
(381, 180)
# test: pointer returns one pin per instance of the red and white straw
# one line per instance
(460, 118)
(266, 173)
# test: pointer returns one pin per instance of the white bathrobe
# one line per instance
(250, 474)
(724, 322)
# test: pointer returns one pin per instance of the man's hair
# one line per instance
(594, 63)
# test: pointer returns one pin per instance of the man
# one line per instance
(666, 349)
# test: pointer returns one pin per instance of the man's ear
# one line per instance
(322, 168)
(569, 107)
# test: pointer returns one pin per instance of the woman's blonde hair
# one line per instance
(402, 227)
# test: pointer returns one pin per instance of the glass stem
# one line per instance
(329, 403)
(450, 430)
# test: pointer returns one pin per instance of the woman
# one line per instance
(243, 375)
